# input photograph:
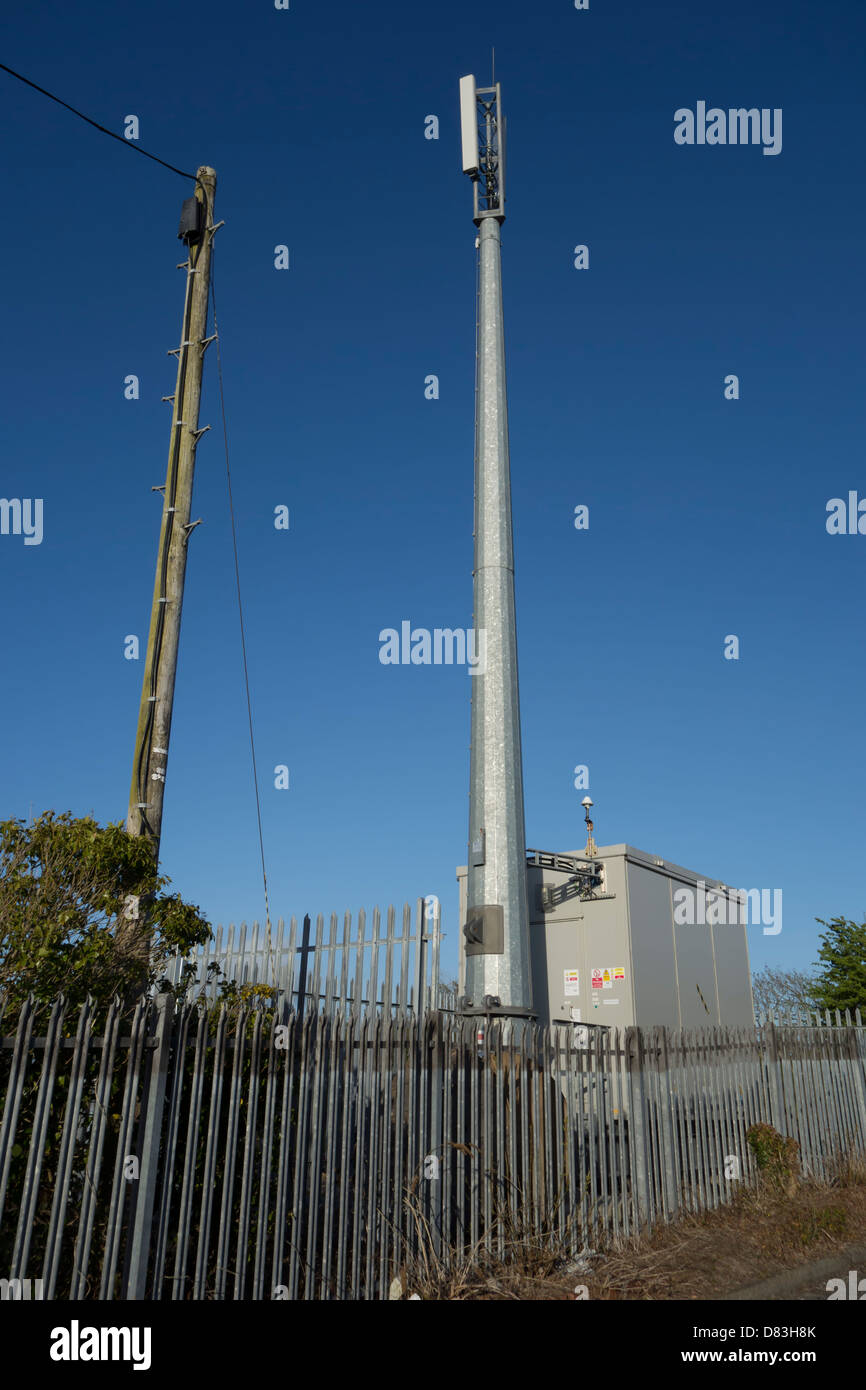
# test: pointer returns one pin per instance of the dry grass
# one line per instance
(762, 1232)
(531, 1268)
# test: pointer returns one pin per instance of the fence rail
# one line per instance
(803, 1018)
(193, 1152)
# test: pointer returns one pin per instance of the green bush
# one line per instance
(67, 886)
(778, 1158)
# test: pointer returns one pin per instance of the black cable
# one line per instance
(168, 502)
(241, 612)
(104, 129)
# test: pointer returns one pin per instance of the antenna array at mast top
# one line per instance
(482, 126)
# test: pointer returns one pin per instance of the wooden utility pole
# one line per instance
(157, 694)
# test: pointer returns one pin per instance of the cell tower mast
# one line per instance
(496, 931)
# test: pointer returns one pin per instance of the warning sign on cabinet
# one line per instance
(604, 978)
(571, 981)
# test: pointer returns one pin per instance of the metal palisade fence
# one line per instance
(190, 1151)
(342, 965)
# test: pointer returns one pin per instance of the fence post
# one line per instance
(151, 1134)
(777, 1086)
(666, 1125)
(302, 975)
(420, 972)
(637, 1127)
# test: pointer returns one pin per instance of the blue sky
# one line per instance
(707, 516)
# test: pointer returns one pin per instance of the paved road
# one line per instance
(808, 1283)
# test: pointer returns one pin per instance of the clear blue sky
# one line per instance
(707, 516)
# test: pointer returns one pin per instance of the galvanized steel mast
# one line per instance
(498, 980)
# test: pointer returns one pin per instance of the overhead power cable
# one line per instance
(132, 144)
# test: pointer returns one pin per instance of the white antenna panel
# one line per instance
(469, 124)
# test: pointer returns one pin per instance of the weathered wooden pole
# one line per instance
(157, 695)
